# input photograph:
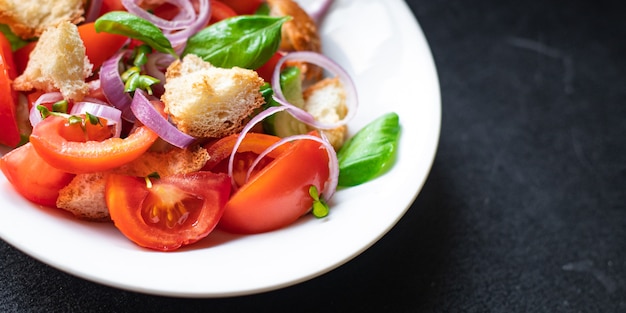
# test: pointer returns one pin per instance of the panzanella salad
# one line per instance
(171, 118)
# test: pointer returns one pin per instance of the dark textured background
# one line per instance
(525, 207)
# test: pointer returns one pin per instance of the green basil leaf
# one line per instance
(132, 26)
(370, 152)
(246, 41)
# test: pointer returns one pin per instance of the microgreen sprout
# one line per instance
(133, 79)
(141, 55)
(60, 109)
(320, 207)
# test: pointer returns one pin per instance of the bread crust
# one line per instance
(84, 196)
(326, 101)
(298, 34)
(205, 101)
(57, 63)
(30, 18)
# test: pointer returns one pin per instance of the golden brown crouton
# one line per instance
(207, 101)
(84, 196)
(29, 18)
(326, 101)
(298, 34)
(57, 63)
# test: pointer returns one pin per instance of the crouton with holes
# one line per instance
(57, 63)
(84, 196)
(30, 18)
(326, 101)
(205, 101)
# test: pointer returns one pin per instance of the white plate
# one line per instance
(383, 48)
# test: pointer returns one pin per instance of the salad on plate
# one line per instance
(171, 118)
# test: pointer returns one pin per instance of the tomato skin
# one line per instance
(111, 5)
(220, 11)
(99, 46)
(22, 55)
(251, 146)
(130, 203)
(266, 71)
(23, 168)
(279, 194)
(9, 131)
(243, 6)
(91, 156)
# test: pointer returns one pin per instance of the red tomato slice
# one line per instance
(32, 177)
(99, 46)
(90, 156)
(9, 131)
(21, 56)
(252, 145)
(266, 71)
(111, 5)
(220, 11)
(278, 194)
(243, 6)
(176, 211)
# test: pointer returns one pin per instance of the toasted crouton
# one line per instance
(205, 101)
(29, 18)
(84, 196)
(57, 63)
(298, 34)
(326, 101)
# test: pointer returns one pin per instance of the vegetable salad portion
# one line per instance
(171, 118)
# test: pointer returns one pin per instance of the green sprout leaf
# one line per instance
(320, 207)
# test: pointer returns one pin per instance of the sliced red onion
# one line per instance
(156, 67)
(179, 38)
(113, 86)
(329, 186)
(100, 109)
(151, 118)
(186, 23)
(93, 10)
(34, 115)
(332, 67)
(184, 19)
(333, 165)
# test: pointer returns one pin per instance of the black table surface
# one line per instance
(524, 209)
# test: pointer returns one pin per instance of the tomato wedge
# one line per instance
(279, 193)
(220, 11)
(32, 177)
(252, 145)
(9, 131)
(175, 211)
(90, 156)
(243, 6)
(99, 46)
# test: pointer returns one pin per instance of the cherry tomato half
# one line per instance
(243, 6)
(90, 156)
(32, 177)
(175, 211)
(99, 46)
(9, 131)
(252, 145)
(279, 193)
